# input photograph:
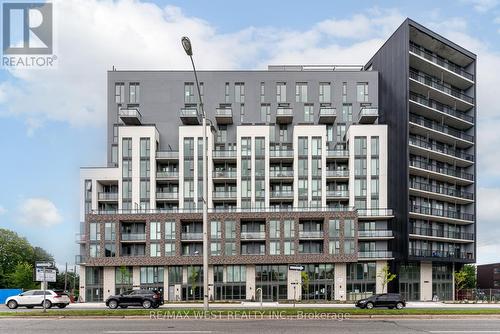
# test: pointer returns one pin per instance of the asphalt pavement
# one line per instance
(288, 326)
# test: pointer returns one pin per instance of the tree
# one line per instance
(22, 277)
(465, 278)
(13, 250)
(193, 279)
(386, 276)
(124, 276)
(305, 281)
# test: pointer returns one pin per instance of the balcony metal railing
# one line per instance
(224, 153)
(167, 154)
(226, 174)
(327, 112)
(224, 112)
(436, 84)
(375, 234)
(281, 153)
(282, 193)
(80, 238)
(368, 111)
(417, 49)
(191, 236)
(103, 196)
(167, 195)
(431, 232)
(379, 212)
(288, 112)
(441, 170)
(80, 259)
(129, 112)
(252, 235)
(440, 107)
(441, 128)
(441, 213)
(165, 174)
(338, 153)
(444, 190)
(281, 173)
(440, 254)
(189, 112)
(375, 254)
(311, 234)
(133, 236)
(441, 149)
(337, 173)
(337, 193)
(224, 194)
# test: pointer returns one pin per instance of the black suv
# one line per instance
(144, 298)
(390, 300)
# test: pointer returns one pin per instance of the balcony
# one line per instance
(443, 193)
(337, 154)
(168, 195)
(284, 115)
(431, 63)
(327, 115)
(222, 155)
(337, 194)
(224, 195)
(379, 254)
(311, 234)
(224, 175)
(337, 174)
(281, 153)
(440, 152)
(281, 174)
(130, 115)
(426, 169)
(167, 155)
(281, 194)
(441, 254)
(189, 116)
(80, 238)
(224, 115)
(104, 196)
(167, 175)
(191, 236)
(368, 115)
(438, 111)
(375, 234)
(80, 259)
(437, 234)
(378, 213)
(435, 214)
(133, 237)
(443, 133)
(432, 87)
(253, 235)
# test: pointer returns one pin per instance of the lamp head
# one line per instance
(186, 44)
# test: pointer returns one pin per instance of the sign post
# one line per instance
(45, 272)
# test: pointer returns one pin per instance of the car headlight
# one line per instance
(362, 301)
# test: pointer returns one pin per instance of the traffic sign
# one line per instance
(50, 275)
(297, 267)
(46, 264)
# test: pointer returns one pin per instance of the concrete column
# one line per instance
(82, 283)
(379, 285)
(294, 289)
(109, 282)
(453, 281)
(250, 290)
(340, 281)
(165, 284)
(425, 281)
(136, 277)
(185, 275)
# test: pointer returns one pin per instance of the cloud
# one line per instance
(2, 210)
(38, 212)
(488, 228)
(482, 6)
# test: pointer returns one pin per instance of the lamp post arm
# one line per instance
(197, 87)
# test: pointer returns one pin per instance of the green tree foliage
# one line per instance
(465, 278)
(22, 276)
(305, 281)
(386, 277)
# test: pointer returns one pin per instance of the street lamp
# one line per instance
(186, 44)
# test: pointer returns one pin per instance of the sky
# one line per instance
(52, 121)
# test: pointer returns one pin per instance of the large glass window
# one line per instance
(281, 92)
(308, 113)
(265, 113)
(324, 92)
(151, 275)
(362, 91)
(134, 92)
(119, 92)
(239, 92)
(301, 92)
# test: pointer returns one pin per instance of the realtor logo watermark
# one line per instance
(27, 35)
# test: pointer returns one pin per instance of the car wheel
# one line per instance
(146, 304)
(123, 306)
(156, 305)
(61, 305)
(399, 305)
(369, 305)
(113, 304)
(48, 304)
(12, 304)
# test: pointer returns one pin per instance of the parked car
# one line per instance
(32, 298)
(144, 298)
(390, 300)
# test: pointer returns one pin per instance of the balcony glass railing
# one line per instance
(191, 236)
(80, 237)
(327, 112)
(441, 149)
(167, 154)
(337, 193)
(440, 254)
(368, 111)
(443, 190)
(223, 112)
(374, 233)
(417, 49)
(167, 195)
(337, 153)
(382, 212)
(282, 193)
(311, 234)
(189, 112)
(79, 259)
(375, 254)
(441, 128)
(133, 236)
(431, 232)
(129, 112)
(441, 213)
(225, 174)
(287, 112)
(104, 196)
(224, 194)
(337, 173)
(281, 153)
(440, 107)
(281, 173)
(253, 235)
(436, 84)
(432, 167)
(165, 174)
(224, 153)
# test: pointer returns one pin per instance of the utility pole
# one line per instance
(65, 276)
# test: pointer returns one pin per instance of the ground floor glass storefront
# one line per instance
(442, 281)
(94, 278)
(272, 282)
(318, 282)
(409, 281)
(361, 280)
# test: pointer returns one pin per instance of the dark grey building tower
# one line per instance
(427, 97)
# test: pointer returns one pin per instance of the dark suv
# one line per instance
(390, 300)
(144, 298)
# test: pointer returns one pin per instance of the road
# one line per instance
(147, 326)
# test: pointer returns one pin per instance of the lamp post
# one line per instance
(186, 44)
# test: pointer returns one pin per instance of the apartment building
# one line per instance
(335, 170)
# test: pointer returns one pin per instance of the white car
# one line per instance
(32, 298)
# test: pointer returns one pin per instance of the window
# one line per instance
(236, 274)
(230, 248)
(283, 134)
(340, 132)
(110, 231)
(144, 190)
(119, 92)
(95, 250)
(145, 147)
(374, 146)
(145, 168)
(262, 92)
(374, 167)
(151, 275)
(308, 113)
(289, 248)
(95, 232)
(227, 98)
(170, 248)
(274, 229)
(360, 167)
(303, 142)
(230, 229)
(334, 228)
(215, 248)
(134, 92)
(127, 189)
(334, 247)
(362, 91)
(155, 231)
(349, 247)
(348, 228)
(324, 92)
(281, 92)
(360, 187)
(265, 113)
(360, 146)
(374, 184)
(347, 112)
(274, 248)
(301, 92)
(344, 92)
(189, 96)
(215, 230)
(246, 146)
(155, 249)
(170, 230)
(239, 92)
(242, 113)
(127, 147)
